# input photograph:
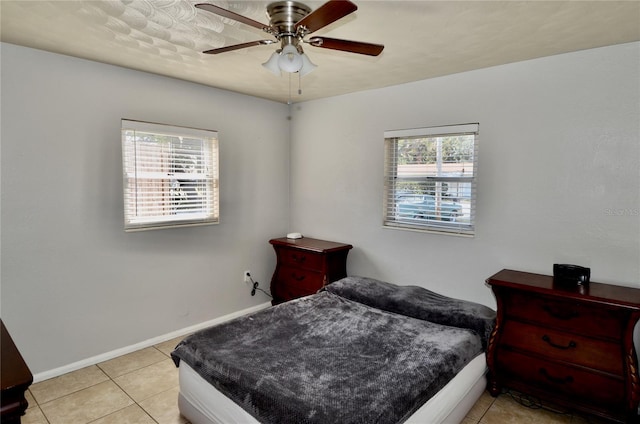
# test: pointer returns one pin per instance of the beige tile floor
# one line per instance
(142, 388)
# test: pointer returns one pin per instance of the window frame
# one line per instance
(393, 217)
(179, 198)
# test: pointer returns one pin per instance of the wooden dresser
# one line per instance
(570, 345)
(305, 265)
(15, 377)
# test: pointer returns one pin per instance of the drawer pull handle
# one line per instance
(557, 346)
(298, 259)
(297, 277)
(560, 314)
(558, 380)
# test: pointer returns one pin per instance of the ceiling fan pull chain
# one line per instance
(289, 101)
(299, 84)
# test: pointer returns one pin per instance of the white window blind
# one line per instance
(170, 176)
(430, 178)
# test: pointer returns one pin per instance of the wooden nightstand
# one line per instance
(569, 345)
(306, 265)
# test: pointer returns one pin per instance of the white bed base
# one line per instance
(201, 403)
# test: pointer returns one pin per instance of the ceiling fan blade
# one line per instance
(326, 14)
(238, 46)
(231, 15)
(346, 45)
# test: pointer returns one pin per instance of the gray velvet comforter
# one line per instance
(360, 351)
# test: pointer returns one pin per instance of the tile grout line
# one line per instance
(138, 369)
(92, 385)
(129, 396)
(125, 392)
(37, 405)
(109, 378)
(40, 404)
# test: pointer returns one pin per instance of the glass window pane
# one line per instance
(430, 182)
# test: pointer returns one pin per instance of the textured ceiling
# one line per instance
(423, 39)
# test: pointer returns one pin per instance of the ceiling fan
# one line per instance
(290, 22)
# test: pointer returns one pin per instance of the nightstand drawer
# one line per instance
(294, 291)
(304, 279)
(578, 384)
(575, 317)
(300, 258)
(592, 353)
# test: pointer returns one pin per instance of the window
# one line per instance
(170, 176)
(430, 178)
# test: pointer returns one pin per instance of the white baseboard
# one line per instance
(45, 375)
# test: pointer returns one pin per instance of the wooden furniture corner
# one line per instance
(15, 378)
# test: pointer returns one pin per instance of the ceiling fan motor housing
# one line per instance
(283, 16)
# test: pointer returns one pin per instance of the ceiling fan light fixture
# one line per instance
(290, 60)
(307, 65)
(272, 64)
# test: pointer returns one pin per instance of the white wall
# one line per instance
(74, 285)
(559, 181)
(559, 171)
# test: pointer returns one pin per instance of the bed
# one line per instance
(359, 351)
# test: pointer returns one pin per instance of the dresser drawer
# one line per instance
(593, 353)
(580, 318)
(580, 385)
(300, 258)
